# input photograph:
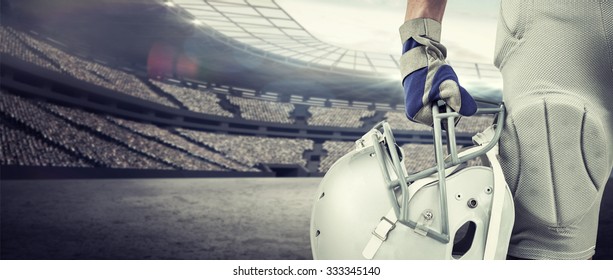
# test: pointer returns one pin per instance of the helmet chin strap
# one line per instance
(379, 235)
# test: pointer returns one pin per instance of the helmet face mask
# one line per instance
(368, 207)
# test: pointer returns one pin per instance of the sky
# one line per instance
(468, 32)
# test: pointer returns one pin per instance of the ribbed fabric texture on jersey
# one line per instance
(557, 145)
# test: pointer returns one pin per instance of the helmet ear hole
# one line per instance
(463, 239)
(322, 195)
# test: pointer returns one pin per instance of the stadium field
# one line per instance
(221, 218)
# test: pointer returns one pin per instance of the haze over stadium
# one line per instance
(150, 129)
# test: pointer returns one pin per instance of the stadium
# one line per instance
(188, 129)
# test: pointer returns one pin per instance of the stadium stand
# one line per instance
(417, 156)
(30, 49)
(474, 124)
(338, 117)
(399, 121)
(132, 144)
(421, 156)
(262, 110)
(12, 46)
(88, 71)
(21, 148)
(252, 150)
(195, 100)
(103, 152)
(335, 150)
(164, 153)
(470, 125)
(179, 142)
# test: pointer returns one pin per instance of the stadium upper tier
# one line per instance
(23, 46)
(264, 28)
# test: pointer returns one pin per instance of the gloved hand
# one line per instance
(427, 78)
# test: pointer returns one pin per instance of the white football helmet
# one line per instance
(368, 207)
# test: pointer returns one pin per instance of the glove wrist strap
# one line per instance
(420, 27)
(412, 61)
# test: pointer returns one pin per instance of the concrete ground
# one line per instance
(225, 218)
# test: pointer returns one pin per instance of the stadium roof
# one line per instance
(264, 28)
(264, 25)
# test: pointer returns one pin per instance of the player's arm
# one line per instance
(433, 9)
(426, 77)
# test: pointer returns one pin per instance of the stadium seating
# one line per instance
(86, 70)
(12, 46)
(21, 148)
(179, 142)
(73, 137)
(399, 121)
(18, 44)
(338, 117)
(262, 110)
(472, 125)
(252, 150)
(118, 143)
(92, 147)
(150, 148)
(417, 156)
(335, 150)
(195, 100)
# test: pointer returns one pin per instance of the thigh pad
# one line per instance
(554, 155)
